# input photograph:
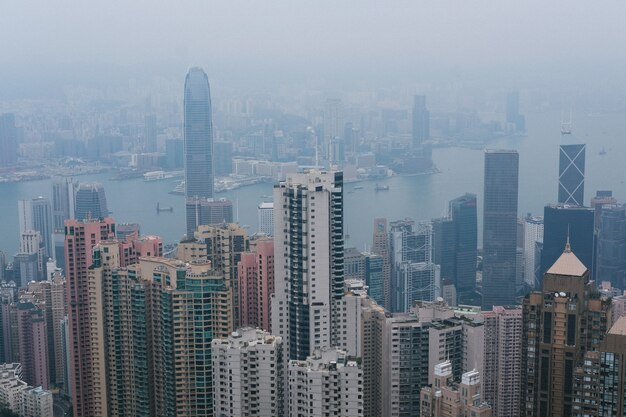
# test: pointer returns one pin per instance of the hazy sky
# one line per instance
(250, 40)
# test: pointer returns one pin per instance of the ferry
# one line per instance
(358, 187)
(381, 187)
(161, 175)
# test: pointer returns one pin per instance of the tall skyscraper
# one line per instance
(308, 242)
(333, 124)
(150, 133)
(561, 221)
(572, 174)
(91, 202)
(611, 253)
(500, 227)
(36, 214)
(87, 366)
(561, 322)
(515, 122)
(198, 136)
(8, 140)
(533, 233)
(421, 121)
(266, 218)
(207, 211)
(380, 247)
(464, 215)
(63, 201)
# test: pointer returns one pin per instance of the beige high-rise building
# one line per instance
(502, 369)
(446, 398)
(561, 322)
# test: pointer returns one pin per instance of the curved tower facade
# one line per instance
(198, 136)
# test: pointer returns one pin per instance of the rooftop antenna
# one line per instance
(568, 247)
(566, 126)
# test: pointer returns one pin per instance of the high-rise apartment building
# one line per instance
(380, 247)
(266, 218)
(599, 380)
(500, 228)
(327, 383)
(20, 398)
(91, 202)
(86, 367)
(198, 135)
(533, 233)
(421, 121)
(308, 242)
(447, 398)
(248, 374)
(255, 273)
(559, 223)
(502, 368)
(561, 322)
(8, 140)
(572, 174)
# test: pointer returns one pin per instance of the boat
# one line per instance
(161, 175)
(179, 189)
(381, 187)
(167, 208)
(358, 187)
(602, 152)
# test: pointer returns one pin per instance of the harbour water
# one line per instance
(418, 197)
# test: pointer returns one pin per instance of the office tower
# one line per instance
(87, 371)
(500, 227)
(414, 276)
(174, 153)
(225, 245)
(326, 383)
(255, 272)
(308, 239)
(150, 133)
(572, 174)
(91, 202)
(8, 140)
(444, 247)
(561, 322)
(601, 199)
(421, 121)
(266, 218)
(561, 221)
(248, 374)
(515, 122)
(380, 247)
(599, 380)
(333, 123)
(447, 398)
(374, 277)
(198, 135)
(187, 306)
(63, 201)
(611, 250)
(502, 368)
(28, 263)
(464, 215)
(353, 264)
(207, 211)
(36, 214)
(223, 158)
(533, 233)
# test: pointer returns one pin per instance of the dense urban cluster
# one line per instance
(289, 320)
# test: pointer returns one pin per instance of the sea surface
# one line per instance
(418, 197)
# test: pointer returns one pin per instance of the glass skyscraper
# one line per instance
(198, 136)
(572, 174)
(500, 227)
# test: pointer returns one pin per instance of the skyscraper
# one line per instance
(255, 273)
(308, 242)
(514, 120)
(380, 247)
(572, 174)
(561, 322)
(500, 227)
(464, 215)
(87, 366)
(266, 218)
(207, 211)
(333, 123)
(421, 121)
(8, 140)
(36, 214)
(611, 253)
(63, 201)
(561, 221)
(533, 233)
(150, 133)
(91, 202)
(198, 135)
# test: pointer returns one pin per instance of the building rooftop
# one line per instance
(619, 328)
(568, 264)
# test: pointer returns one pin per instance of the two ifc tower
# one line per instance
(201, 208)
